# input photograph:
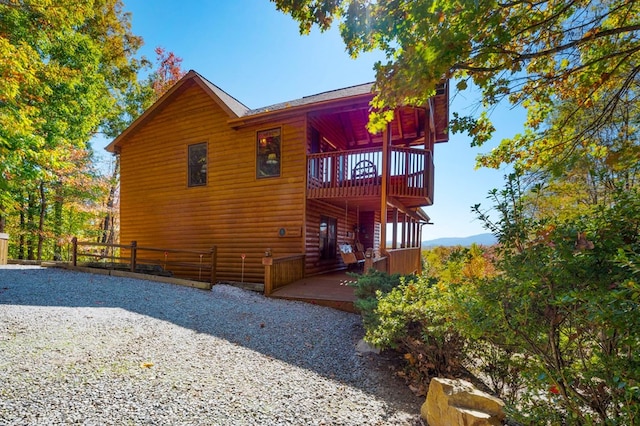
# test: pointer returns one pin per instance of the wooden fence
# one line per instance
(280, 271)
(191, 264)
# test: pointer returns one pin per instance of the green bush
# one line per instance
(418, 318)
(548, 320)
(566, 301)
(418, 315)
(368, 288)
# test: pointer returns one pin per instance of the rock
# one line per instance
(364, 347)
(458, 402)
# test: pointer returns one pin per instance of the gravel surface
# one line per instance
(97, 350)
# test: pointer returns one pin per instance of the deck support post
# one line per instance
(406, 232)
(396, 215)
(386, 141)
(134, 245)
(267, 261)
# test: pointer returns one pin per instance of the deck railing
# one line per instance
(379, 264)
(404, 261)
(193, 264)
(280, 271)
(359, 173)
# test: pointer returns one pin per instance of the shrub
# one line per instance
(567, 301)
(368, 288)
(419, 316)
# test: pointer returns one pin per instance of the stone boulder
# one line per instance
(458, 402)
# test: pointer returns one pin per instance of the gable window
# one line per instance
(328, 231)
(268, 153)
(198, 164)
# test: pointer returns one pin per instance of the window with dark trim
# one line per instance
(268, 153)
(328, 233)
(198, 164)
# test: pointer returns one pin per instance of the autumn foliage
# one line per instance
(69, 72)
(547, 319)
(167, 73)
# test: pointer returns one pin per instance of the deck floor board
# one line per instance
(330, 289)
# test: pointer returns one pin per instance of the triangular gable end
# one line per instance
(229, 104)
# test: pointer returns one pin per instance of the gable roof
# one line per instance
(347, 92)
(228, 103)
(236, 110)
(239, 114)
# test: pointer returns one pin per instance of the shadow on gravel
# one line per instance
(319, 339)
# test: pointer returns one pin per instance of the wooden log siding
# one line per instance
(345, 217)
(404, 261)
(235, 211)
(281, 271)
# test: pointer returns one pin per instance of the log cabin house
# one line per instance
(288, 184)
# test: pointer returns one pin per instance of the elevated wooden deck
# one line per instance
(357, 174)
(331, 290)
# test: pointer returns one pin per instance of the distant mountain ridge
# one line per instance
(487, 239)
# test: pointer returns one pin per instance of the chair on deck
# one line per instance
(364, 169)
(351, 256)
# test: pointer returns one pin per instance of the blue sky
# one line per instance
(256, 54)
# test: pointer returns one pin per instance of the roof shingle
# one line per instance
(361, 89)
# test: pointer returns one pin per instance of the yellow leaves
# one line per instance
(410, 358)
(478, 267)
(378, 120)
(598, 151)
(146, 364)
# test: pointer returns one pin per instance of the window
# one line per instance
(198, 164)
(268, 153)
(328, 231)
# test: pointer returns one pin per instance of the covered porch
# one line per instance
(285, 278)
(365, 193)
(332, 289)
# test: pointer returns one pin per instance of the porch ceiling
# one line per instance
(364, 204)
(346, 128)
(372, 204)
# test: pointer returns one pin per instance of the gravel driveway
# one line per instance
(97, 350)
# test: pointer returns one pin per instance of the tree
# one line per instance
(137, 97)
(590, 173)
(64, 67)
(566, 300)
(167, 73)
(531, 53)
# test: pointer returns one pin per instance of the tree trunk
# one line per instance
(57, 222)
(2, 218)
(108, 224)
(43, 212)
(23, 227)
(31, 205)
